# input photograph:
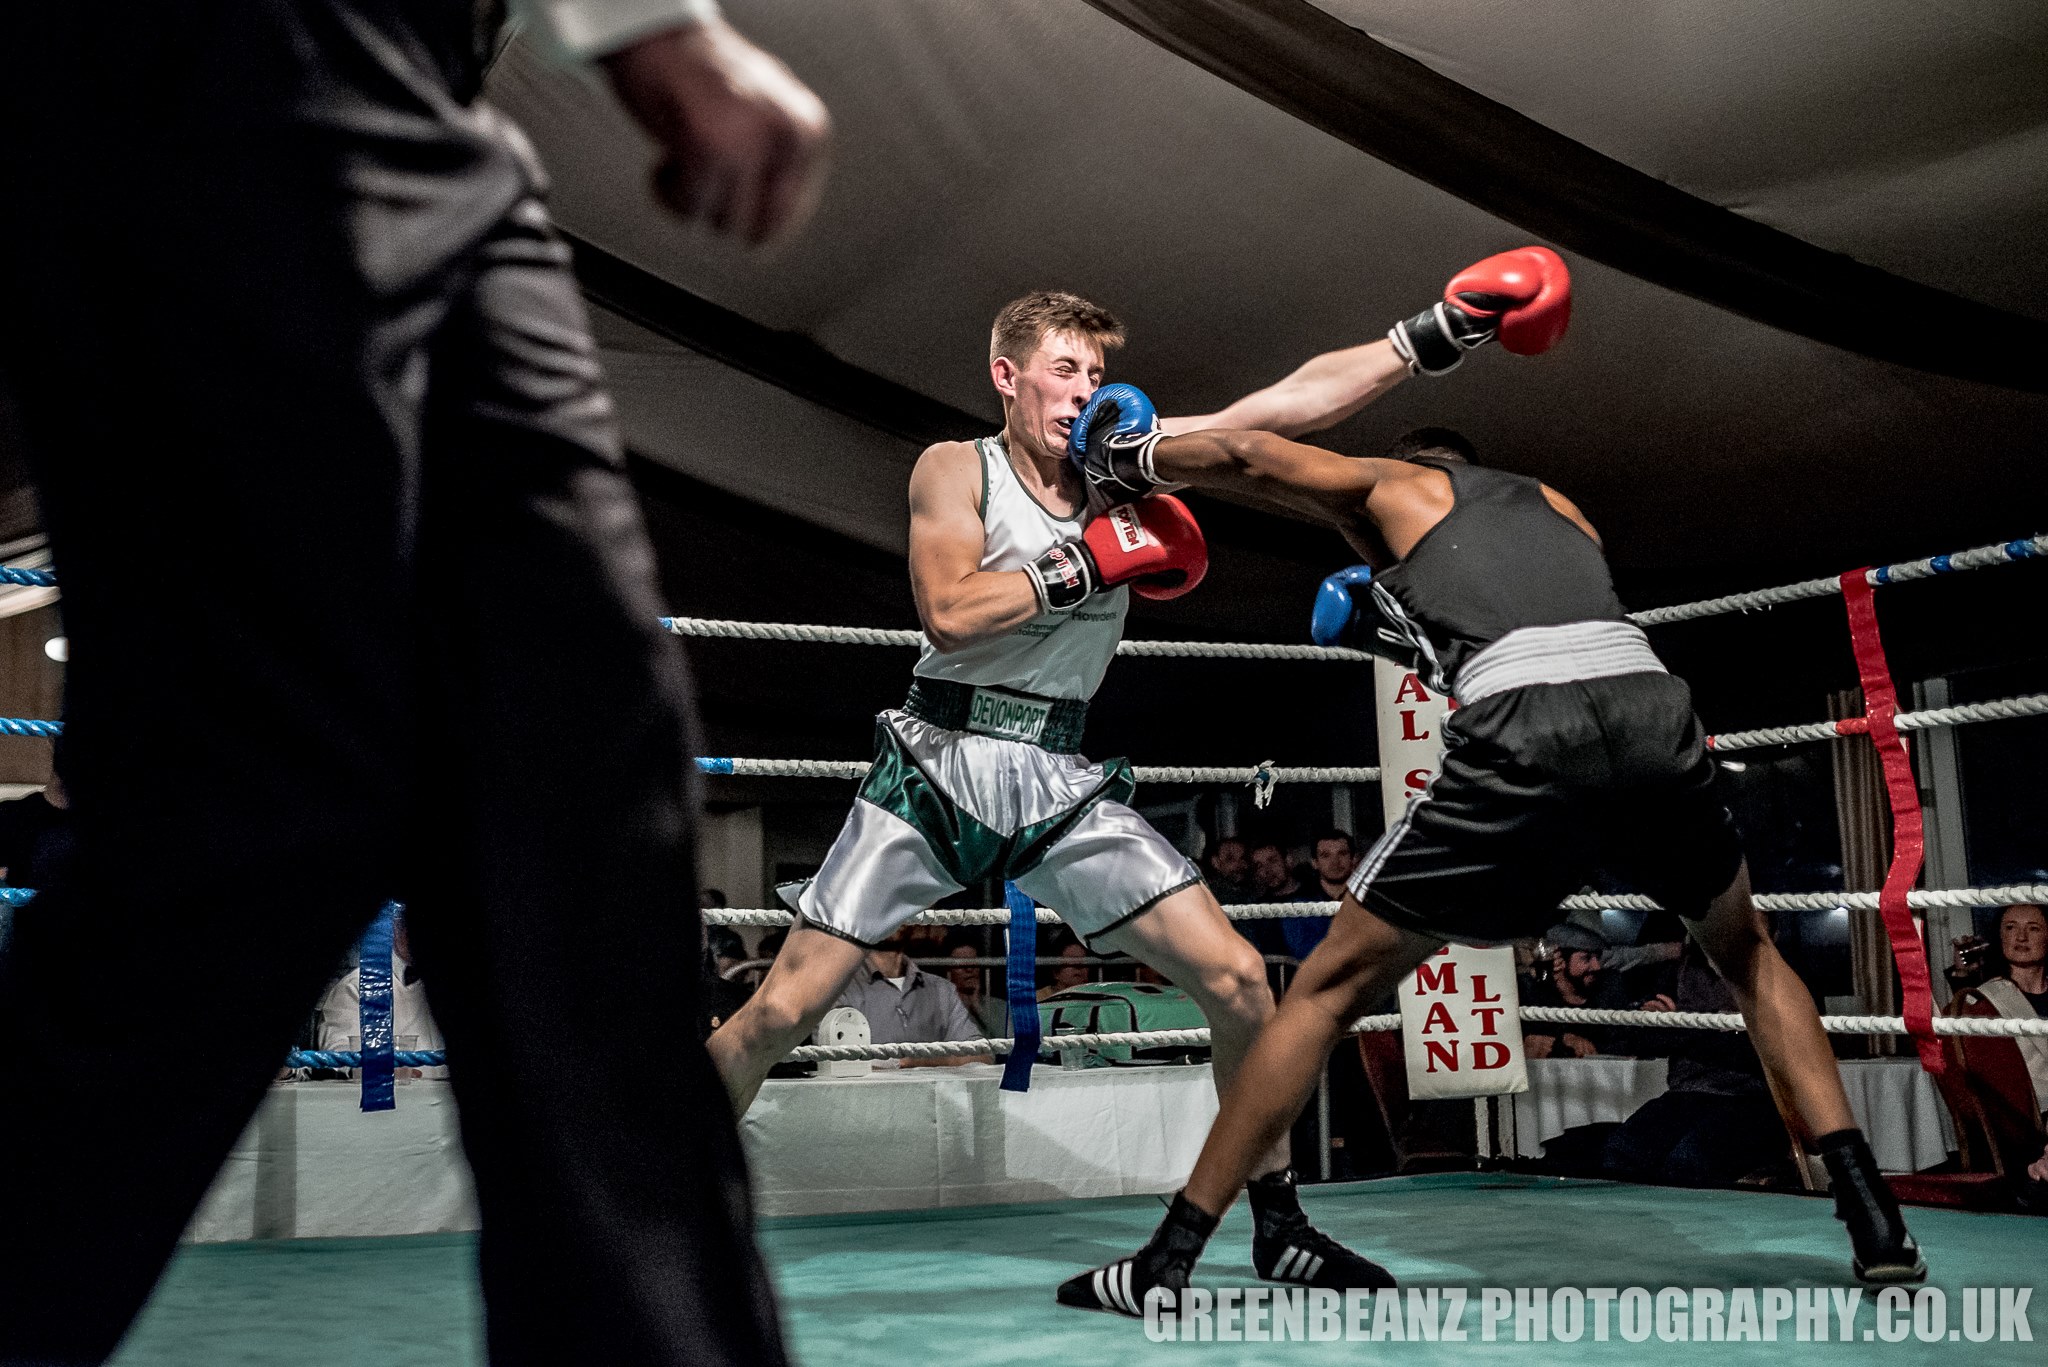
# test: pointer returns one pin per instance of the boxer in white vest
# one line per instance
(1022, 573)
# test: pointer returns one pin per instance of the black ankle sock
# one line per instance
(1835, 1140)
(1274, 1201)
(1185, 1231)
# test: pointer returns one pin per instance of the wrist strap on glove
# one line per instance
(1434, 341)
(1064, 577)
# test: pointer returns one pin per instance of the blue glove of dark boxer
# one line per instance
(1111, 443)
(1335, 621)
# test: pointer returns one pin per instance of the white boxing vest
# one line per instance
(1056, 654)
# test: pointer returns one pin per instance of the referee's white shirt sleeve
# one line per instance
(582, 29)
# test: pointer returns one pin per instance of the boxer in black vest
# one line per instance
(1572, 749)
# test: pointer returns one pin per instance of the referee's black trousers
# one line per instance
(360, 605)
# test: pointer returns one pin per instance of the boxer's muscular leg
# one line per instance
(1187, 938)
(1778, 1010)
(803, 982)
(1359, 962)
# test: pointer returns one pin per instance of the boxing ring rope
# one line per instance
(2009, 895)
(1976, 1027)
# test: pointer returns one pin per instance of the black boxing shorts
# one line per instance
(1540, 788)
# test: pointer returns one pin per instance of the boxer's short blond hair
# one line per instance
(1023, 324)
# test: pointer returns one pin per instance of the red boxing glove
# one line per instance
(1524, 297)
(1154, 545)
(1529, 290)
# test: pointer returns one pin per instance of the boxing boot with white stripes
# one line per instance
(1167, 1260)
(1287, 1248)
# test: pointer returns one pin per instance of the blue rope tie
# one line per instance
(16, 897)
(23, 726)
(2019, 550)
(35, 579)
(350, 1058)
(715, 766)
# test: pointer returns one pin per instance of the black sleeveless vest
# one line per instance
(1502, 558)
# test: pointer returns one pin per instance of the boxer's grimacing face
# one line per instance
(1043, 395)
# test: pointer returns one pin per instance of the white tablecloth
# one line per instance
(1898, 1106)
(313, 1165)
(917, 1138)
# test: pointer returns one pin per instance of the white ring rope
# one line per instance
(2012, 894)
(1999, 709)
(1976, 558)
(1973, 1026)
(718, 628)
(1257, 775)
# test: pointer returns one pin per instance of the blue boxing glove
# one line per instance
(1335, 621)
(1111, 443)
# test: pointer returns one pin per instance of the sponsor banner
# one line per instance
(1594, 1314)
(1411, 733)
(1461, 1025)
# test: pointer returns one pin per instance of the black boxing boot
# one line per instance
(1167, 1261)
(1884, 1252)
(1287, 1248)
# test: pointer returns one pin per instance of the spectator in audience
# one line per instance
(710, 899)
(1336, 855)
(990, 1013)
(1070, 974)
(717, 996)
(1716, 1121)
(35, 834)
(340, 1011)
(906, 1005)
(1575, 979)
(1228, 871)
(1271, 880)
(2018, 990)
(728, 950)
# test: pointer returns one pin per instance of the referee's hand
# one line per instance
(743, 141)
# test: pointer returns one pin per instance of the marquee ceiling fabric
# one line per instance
(990, 148)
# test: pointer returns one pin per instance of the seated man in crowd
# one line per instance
(906, 1005)
(1716, 1121)
(412, 1025)
(1336, 855)
(1227, 871)
(1576, 978)
(990, 1013)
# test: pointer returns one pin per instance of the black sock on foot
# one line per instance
(1884, 1250)
(1167, 1260)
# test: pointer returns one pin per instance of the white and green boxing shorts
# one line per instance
(944, 808)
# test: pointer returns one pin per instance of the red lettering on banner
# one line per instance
(1435, 978)
(1410, 681)
(1417, 780)
(1487, 1054)
(1408, 731)
(1479, 989)
(1441, 1051)
(1439, 1018)
(1487, 1016)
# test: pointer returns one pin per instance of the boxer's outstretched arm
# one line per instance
(1304, 480)
(958, 601)
(1321, 393)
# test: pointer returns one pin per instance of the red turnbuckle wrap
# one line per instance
(1909, 842)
